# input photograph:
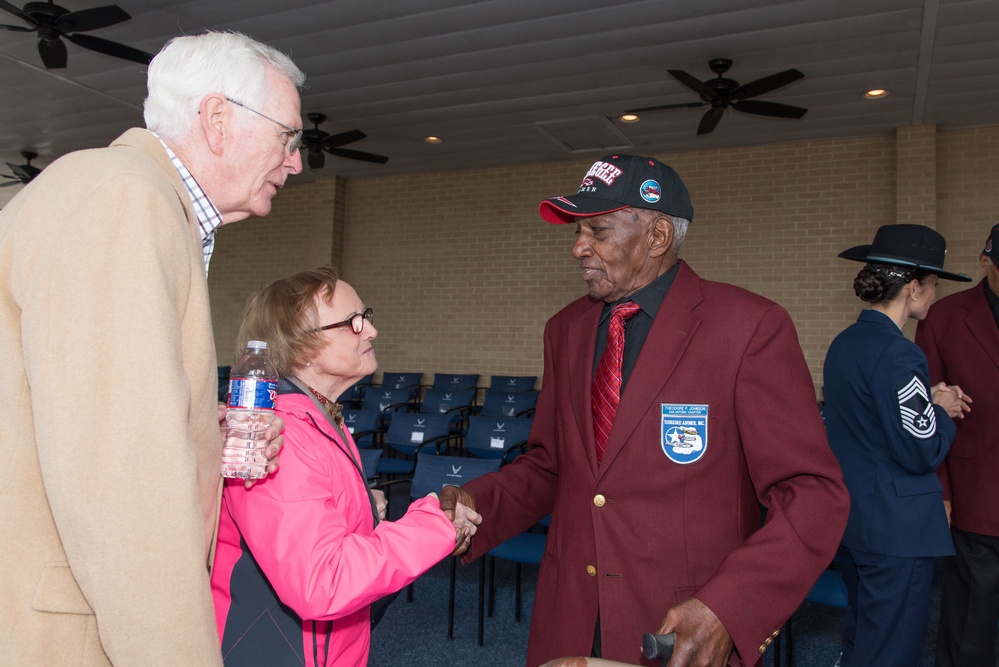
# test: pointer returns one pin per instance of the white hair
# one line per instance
(680, 226)
(190, 67)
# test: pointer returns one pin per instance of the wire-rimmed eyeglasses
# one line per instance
(355, 322)
(294, 136)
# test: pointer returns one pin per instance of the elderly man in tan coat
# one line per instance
(110, 443)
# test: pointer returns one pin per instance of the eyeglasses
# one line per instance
(294, 136)
(355, 322)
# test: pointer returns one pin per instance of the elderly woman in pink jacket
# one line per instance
(303, 554)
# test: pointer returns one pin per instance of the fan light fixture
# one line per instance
(875, 94)
(433, 140)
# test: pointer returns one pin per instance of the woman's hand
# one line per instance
(381, 503)
(951, 399)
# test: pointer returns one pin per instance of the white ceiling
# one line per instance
(498, 78)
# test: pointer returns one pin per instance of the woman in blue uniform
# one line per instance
(890, 430)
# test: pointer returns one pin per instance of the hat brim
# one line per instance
(862, 253)
(564, 210)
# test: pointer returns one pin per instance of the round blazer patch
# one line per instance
(684, 432)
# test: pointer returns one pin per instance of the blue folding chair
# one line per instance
(527, 548)
(408, 433)
(456, 403)
(401, 380)
(455, 381)
(365, 425)
(369, 463)
(512, 382)
(497, 438)
(355, 393)
(829, 590)
(388, 401)
(508, 403)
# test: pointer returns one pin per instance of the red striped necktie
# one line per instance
(606, 391)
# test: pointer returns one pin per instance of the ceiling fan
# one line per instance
(23, 173)
(53, 22)
(315, 141)
(721, 93)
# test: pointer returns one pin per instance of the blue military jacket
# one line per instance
(889, 439)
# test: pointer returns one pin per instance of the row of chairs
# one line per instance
(445, 382)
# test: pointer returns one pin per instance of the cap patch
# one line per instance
(651, 192)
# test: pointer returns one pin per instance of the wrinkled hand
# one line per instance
(275, 441)
(381, 503)
(459, 506)
(952, 399)
(701, 639)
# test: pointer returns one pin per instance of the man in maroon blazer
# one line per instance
(717, 417)
(960, 337)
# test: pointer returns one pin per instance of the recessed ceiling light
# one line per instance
(433, 140)
(876, 94)
(629, 118)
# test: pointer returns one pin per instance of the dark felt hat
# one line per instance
(616, 182)
(911, 246)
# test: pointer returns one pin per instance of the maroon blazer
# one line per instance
(961, 342)
(640, 533)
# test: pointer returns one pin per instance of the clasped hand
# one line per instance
(459, 506)
(952, 399)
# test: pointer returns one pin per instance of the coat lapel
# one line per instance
(581, 374)
(671, 333)
(983, 327)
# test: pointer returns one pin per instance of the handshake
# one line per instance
(459, 506)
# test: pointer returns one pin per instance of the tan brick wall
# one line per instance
(463, 274)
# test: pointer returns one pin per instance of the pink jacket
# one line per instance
(299, 560)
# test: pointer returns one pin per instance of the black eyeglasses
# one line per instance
(355, 322)
(294, 136)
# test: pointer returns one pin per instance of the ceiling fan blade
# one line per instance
(17, 28)
(769, 109)
(91, 19)
(16, 11)
(693, 83)
(11, 182)
(53, 53)
(110, 48)
(710, 120)
(343, 138)
(663, 107)
(316, 159)
(358, 155)
(20, 172)
(766, 84)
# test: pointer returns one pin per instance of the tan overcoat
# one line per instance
(109, 444)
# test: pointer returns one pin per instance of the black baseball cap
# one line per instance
(991, 249)
(615, 182)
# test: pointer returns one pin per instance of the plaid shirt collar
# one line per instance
(209, 217)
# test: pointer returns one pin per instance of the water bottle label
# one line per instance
(252, 393)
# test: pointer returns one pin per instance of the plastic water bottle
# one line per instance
(252, 392)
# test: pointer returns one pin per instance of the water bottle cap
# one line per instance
(256, 345)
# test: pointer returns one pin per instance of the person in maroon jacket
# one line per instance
(717, 417)
(961, 340)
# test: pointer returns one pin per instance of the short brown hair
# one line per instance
(284, 314)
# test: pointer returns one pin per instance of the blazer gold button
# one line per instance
(599, 500)
(768, 641)
(590, 570)
(762, 649)
(776, 632)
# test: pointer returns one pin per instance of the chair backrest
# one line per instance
(410, 429)
(369, 461)
(492, 437)
(512, 382)
(400, 380)
(437, 400)
(507, 403)
(355, 393)
(380, 398)
(362, 424)
(454, 381)
(434, 472)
